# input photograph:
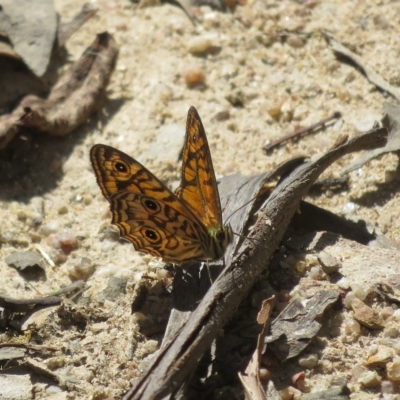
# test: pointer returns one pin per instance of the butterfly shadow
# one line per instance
(32, 163)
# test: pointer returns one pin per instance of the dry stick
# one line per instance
(268, 146)
(371, 75)
(178, 359)
(80, 92)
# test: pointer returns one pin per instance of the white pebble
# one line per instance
(107, 245)
(349, 299)
(49, 228)
(308, 361)
(352, 327)
(361, 290)
(316, 273)
(349, 208)
(343, 283)
(200, 44)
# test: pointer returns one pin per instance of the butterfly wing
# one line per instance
(158, 228)
(116, 171)
(174, 233)
(198, 187)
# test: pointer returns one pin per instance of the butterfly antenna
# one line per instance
(260, 193)
(246, 237)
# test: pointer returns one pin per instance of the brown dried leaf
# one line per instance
(251, 377)
(293, 330)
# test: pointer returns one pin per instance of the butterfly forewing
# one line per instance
(116, 171)
(198, 187)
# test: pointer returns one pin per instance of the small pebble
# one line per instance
(393, 370)
(387, 312)
(366, 315)
(352, 327)
(392, 333)
(107, 246)
(343, 283)
(361, 290)
(308, 361)
(316, 273)
(295, 41)
(381, 358)
(264, 373)
(150, 346)
(63, 209)
(56, 362)
(200, 45)
(349, 208)
(290, 393)
(65, 241)
(367, 123)
(49, 228)
(81, 269)
(193, 75)
(348, 300)
(370, 379)
(53, 389)
(388, 387)
(329, 264)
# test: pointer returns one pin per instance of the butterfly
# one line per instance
(180, 226)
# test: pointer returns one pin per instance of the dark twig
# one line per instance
(299, 132)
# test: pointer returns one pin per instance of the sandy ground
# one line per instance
(299, 76)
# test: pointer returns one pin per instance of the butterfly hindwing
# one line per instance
(158, 228)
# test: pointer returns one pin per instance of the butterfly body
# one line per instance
(174, 226)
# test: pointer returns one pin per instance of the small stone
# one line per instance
(24, 259)
(53, 389)
(63, 209)
(366, 315)
(329, 264)
(115, 287)
(343, 283)
(38, 318)
(49, 228)
(65, 241)
(290, 393)
(193, 75)
(392, 333)
(393, 370)
(200, 45)
(316, 273)
(388, 387)
(361, 291)
(352, 327)
(295, 41)
(150, 346)
(21, 215)
(81, 269)
(111, 233)
(308, 361)
(56, 362)
(381, 358)
(387, 312)
(348, 300)
(107, 246)
(370, 379)
(21, 241)
(236, 97)
(222, 115)
(367, 123)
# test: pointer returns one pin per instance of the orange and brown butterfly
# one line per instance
(180, 226)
